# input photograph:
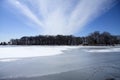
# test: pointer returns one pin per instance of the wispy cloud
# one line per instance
(62, 16)
(24, 10)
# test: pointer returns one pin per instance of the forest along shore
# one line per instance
(94, 39)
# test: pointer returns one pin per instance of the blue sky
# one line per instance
(78, 17)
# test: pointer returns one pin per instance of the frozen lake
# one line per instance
(59, 63)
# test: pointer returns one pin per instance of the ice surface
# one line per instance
(74, 63)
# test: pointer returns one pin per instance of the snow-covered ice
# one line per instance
(75, 63)
(103, 50)
(11, 53)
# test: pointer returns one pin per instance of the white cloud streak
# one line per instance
(62, 16)
(23, 9)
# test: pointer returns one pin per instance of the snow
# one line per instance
(91, 61)
(104, 50)
(12, 53)
(8, 60)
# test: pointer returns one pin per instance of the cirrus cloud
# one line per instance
(61, 16)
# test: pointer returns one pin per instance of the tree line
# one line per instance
(95, 38)
(105, 38)
(47, 40)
